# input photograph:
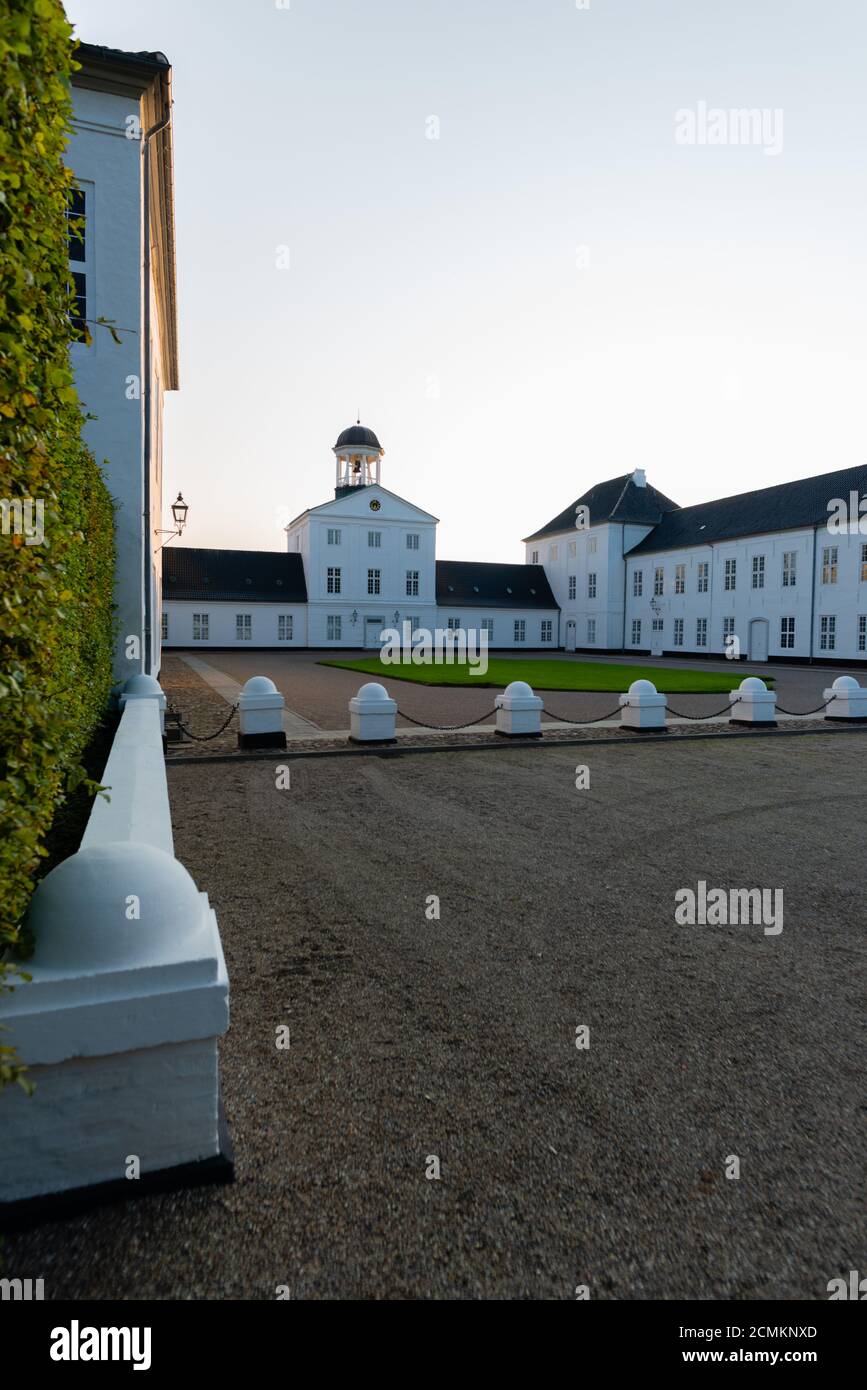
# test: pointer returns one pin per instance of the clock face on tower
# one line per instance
(375, 504)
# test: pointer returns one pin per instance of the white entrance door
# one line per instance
(570, 636)
(655, 638)
(372, 629)
(759, 639)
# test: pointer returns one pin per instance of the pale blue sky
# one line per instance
(713, 331)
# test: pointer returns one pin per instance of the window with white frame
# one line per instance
(591, 545)
(828, 633)
(333, 627)
(657, 625)
(412, 540)
(553, 552)
(200, 627)
(703, 576)
(78, 250)
(790, 568)
(591, 631)
(636, 632)
(573, 549)
(164, 626)
(678, 632)
(731, 574)
(374, 539)
(332, 579)
(454, 624)
(591, 585)
(862, 632)
(658, 581)
(728, 630)
(333, 535)
(863, 563)
(534, 557)
(758, 571)
(680, 579)
(284, 627)
(520, 630)
(412, 583)
(547, 633)
(374, 582)
(701, 632)
(243, 627)
(787, 633)
(829, 564)
(637, 583)
(573, 585)
(488, 627)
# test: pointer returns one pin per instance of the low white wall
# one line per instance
(138, 808)
(128, 995)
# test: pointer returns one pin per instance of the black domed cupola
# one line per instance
(358, 434)
(358, 453)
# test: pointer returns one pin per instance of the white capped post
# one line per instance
(260, 710)
(642, 708)
(519, 712)
(753, 704)
(372, 715)
(848, 701)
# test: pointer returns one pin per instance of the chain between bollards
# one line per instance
(561, 719)
(203, 738)
(446, 728)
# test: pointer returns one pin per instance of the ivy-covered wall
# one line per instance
(57, 552)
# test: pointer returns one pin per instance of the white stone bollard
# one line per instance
(260, 710)
(643, 708)
(753, 704)
(372, 714)
(120, 1019)
(848, 701)
(519, 711)
(142, 687)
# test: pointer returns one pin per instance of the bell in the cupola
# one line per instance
(359, 454)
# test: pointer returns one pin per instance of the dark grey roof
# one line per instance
(784, 507)
(358, 434)
(98, 52)
(475, 584)
(251, 576)
(619, 499)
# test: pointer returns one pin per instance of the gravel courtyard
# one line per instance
(455, 1037)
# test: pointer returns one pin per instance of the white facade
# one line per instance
(369, 560)
(225, 624)
(121, 383)
(793, 594)
(586, 572)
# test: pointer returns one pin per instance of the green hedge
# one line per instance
(56, 620)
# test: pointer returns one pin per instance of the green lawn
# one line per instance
(554, 675)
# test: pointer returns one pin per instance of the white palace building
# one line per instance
(775, 574)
